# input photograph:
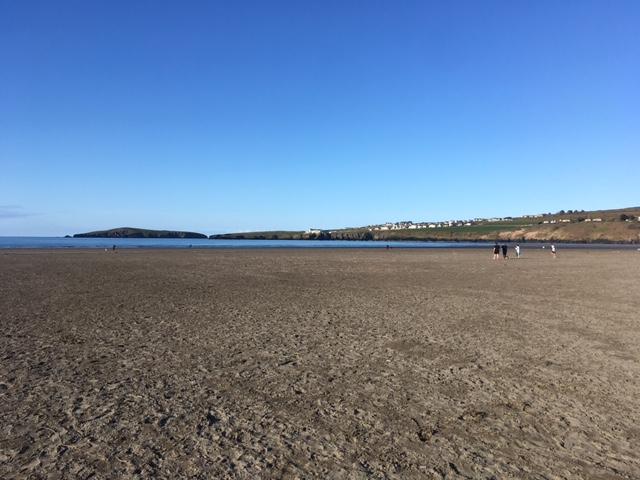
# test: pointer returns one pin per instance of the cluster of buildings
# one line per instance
(568, 220)
(408, 225)
(564, 220)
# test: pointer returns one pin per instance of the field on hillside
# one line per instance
(614, 226)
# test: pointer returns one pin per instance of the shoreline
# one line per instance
(61, 243)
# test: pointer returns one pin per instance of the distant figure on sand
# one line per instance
(504, 252)
(113, 248)
(553, 251)
(496, 251)
(517, 249)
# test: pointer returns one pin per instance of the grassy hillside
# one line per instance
(270, 235)
(615, 226)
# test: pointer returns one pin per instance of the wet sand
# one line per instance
(319, 364)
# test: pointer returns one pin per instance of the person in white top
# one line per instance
(517, 249)
(553, 251)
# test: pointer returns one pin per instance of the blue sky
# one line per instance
(228, 116)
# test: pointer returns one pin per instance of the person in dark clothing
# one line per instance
(496, 251)
(504, 252)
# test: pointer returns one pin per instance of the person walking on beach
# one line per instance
(496, 251)
(553, 251)
(517, 249)
(504, 252)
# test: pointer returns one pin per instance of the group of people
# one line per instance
(505, 251)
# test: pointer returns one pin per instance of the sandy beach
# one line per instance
(319, 364)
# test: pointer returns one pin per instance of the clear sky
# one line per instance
(227, 116)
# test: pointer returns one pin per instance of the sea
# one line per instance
(201, 243)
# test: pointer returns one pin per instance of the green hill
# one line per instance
(128, 232)
(599, 226)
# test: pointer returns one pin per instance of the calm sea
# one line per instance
(60, 242)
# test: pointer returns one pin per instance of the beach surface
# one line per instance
(319, 364)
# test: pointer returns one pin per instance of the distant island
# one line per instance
(128, 232)
(598, 226)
